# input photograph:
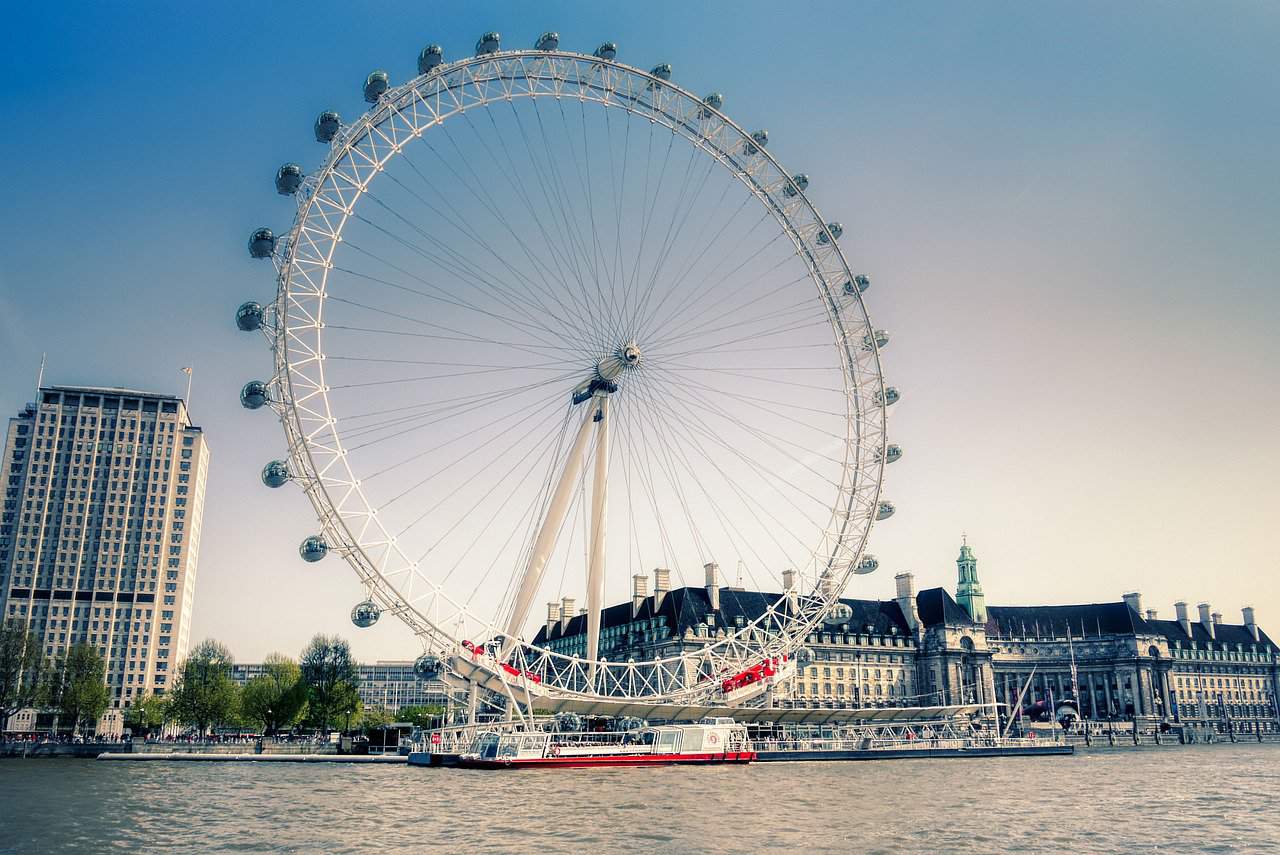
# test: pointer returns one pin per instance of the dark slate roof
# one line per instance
(1055, 621)
(684, 608)
(936, 606)
(1225, 633)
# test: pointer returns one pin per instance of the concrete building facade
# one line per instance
(100, 530)
(386, 684)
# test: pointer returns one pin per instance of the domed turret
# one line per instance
(328, 124)
(759, 140)
(712, 102)
(799, 184)
(547, 41)
(275, 473)
(881, 339)
(313, 548)
(262, 243)
(253, 394)
(836, 231)
(427, 666)
(890, 396)
(868, 564)
(288, 179)
(431, 56)
(488, 43)
(662, 72)
(607, 50)
(885, 510)
(376, 85)
(249, 316)
(365, 614)
(893, 454)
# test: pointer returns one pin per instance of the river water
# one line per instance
(1209, 798)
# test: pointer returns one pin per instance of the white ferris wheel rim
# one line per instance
(349, 521)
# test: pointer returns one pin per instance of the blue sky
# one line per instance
(1070, 212)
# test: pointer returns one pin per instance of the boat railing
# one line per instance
(887, 744)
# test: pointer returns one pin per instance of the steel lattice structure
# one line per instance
(298, 325)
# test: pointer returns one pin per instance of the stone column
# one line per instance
(1107, 677)
(1164, 693)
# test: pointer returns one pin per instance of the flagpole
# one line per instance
(186, 400)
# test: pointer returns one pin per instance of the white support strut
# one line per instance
(546, 540)
(599, 500)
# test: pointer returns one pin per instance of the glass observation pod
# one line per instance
(893, 454)
(376, 85)
(328, 124)
(890, 397)
(868, 564)
(712, 102)
(759, 140)
(547, 41)
(662, 71)
(262, 243)
(249, 316)
(857, 284)
(607, 50)
(431, 57)
(288, 179)
(253, 394)
(836, 231)
(881, 339)
(365, 614)
(313, 548)
(275, 473)
(427, 666)
(885, 510)
(799, 184)
(488, 43)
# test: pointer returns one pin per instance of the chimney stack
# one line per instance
(639, 592)
(1133, 600)
(906, 597)
(553, 617)
(1250, 623)
(1217, 618)
(661, 586)
(713, 585)
(789, 591)
(1151, 614)
(1206, 619)
(566, 612)
(1181, 608)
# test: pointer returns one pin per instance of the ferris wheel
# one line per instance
(544, 323)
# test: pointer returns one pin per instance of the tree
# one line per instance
(277, 698)
(22, 670)
(204, 694)
(76, 688)
(330, 675)
(421, 716)
(146, 714)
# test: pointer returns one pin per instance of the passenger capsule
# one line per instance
(662, 72)
(607, 50)
(376, 85)
(868, 564)
(249, 316)
(893, 454)
(427, 666)
(328, 124)
(288, 179)
(488, 43)
(712, 102)
(804, 658)
(835, 229)
(431, 56)
(799, 184)
(365, 614)
(885, 510)
(253, 394)
(889, 398)
(881, 339)
(759, 140)
(313, 548)
(863, 282)
(547, 41)
(262, 243)
(275, 473)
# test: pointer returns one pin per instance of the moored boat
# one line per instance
(718, 740)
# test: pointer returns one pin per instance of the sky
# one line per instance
(1069, 212)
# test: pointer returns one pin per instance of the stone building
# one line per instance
(927, 647)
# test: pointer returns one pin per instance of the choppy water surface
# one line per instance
(1220, 798)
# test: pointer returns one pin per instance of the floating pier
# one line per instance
(250, 757)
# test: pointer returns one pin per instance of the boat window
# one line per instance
(668, 740)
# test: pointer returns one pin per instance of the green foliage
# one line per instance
(276, 699)
(204, 694)
(76, 688)
(428, 715)
(146, 714)
(23, 669)
(374, 718)
(330, 676)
